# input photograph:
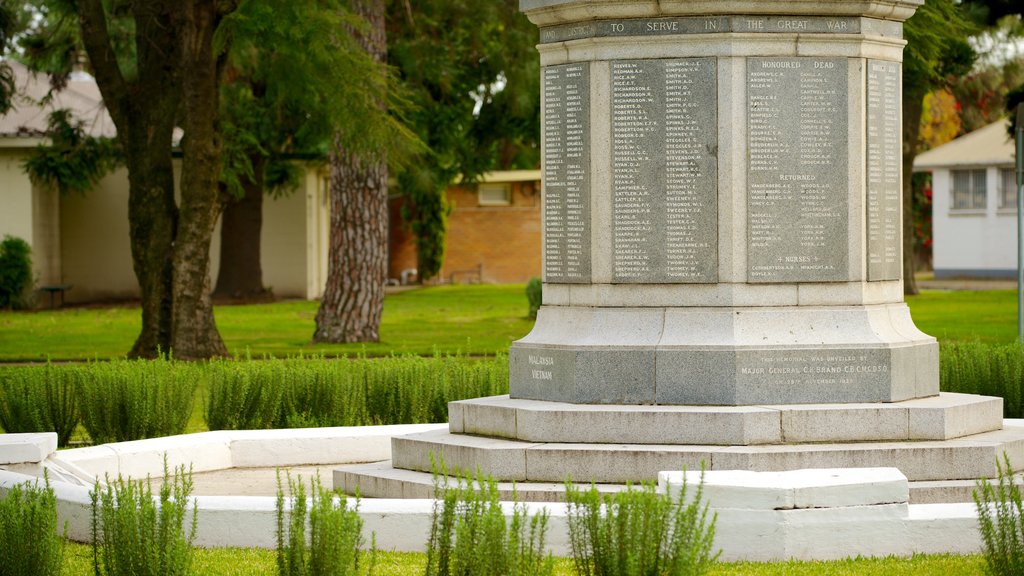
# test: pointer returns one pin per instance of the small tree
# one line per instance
(15, 273)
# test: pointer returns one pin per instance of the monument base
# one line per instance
(942, 444)
(725, 355)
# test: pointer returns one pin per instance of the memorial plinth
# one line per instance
(721, 206)
(722, 262)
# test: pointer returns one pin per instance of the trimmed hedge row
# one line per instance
(134, 399)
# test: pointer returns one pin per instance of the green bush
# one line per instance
(639, 532)
(304, 392)
(39, 399)
(469, 534)
(134, 399)
(133, 535)
(15, 273)
(335, 540)
(534, 295)
(990, 370)
(1000, 521)
(29, 542)
(244, 395)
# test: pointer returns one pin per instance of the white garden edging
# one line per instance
(806, 514)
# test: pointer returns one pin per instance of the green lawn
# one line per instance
(478, 319)
(986, 315)
(253, 562)
(481, 319)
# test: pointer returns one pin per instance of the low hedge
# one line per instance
(134, 399)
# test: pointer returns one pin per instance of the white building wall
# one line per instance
(978, 243)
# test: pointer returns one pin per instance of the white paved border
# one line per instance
(802, 514)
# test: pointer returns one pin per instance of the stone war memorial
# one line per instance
(722, 262)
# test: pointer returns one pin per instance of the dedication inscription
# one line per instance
(664, 133)
(797, 213)
(883, 165)
(566, 173)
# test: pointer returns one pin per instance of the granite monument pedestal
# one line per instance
(722, 259)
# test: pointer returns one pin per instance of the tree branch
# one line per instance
(96, 38)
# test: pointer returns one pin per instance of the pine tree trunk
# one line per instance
(241, 274)
(913, 105)
(357, 262)
(194, 332)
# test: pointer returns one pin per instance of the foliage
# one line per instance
(15, 272)
(73, 161)
(132, 399)
(445, 50)
(940, 119)
(305, 392)
(470, 536)
(30, 544)
(922, 218)
(1001, 521)
(39, 399)
(266, 112)
(639, 532)
(976, 368)
(8, 28)
(982, 94)
(534, 296)
(335, 532)
(133, 535)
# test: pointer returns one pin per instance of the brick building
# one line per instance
(494, 231)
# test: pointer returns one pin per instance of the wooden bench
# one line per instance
(56, 289)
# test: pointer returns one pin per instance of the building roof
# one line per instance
(988, 146)
(28, 118)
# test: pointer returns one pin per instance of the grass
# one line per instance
(256, 562)
(988, 316)
(477, 320)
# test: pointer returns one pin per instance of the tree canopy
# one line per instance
(472, 75)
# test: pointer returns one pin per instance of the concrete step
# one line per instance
(381, 480)
(965, 458)
(941, 417)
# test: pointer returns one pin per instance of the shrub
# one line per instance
(335, 533)
(244, 395)
(534, 295)
(132, 535)
(991, 370)
(1000, 522)
(639, 532)
(300, 392)
(29, 542)
(39, 399)
(133, 399)
(469, 534)
(15, 272)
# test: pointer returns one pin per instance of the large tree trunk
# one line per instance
(194, 332)
(913, 106)
(241, 274)
(357, 268)
(143, 111)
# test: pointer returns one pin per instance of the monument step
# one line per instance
(381, 480)
(941, 417)
(964, 458)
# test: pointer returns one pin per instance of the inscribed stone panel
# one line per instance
(567, 173)
(884, 186)
(798, 184)
(664, 133)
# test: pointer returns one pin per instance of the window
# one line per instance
(968, 190)
(495, 194)
(1008, 189)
